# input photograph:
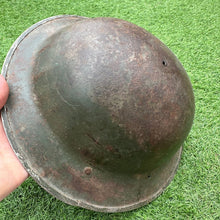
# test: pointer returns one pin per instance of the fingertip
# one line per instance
(4, 91)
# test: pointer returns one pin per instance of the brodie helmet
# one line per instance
(98, 111)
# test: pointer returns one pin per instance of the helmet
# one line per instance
(98, 111)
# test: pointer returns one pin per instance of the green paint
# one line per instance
(191, 29)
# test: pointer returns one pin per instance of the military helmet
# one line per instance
(98, 111)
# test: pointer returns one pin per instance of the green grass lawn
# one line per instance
(191, 29)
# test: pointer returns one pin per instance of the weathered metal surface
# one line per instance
(98, 110)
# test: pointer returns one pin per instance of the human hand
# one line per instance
(12, 173)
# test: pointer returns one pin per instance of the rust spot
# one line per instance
(110, 148)
(87, 170)
(51, 172)
(93, 188)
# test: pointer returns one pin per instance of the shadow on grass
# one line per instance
(30, 201)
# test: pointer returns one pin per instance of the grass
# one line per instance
(191, 29)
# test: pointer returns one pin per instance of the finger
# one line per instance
(12, 173)
(4, 91)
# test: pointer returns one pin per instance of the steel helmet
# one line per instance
(98, 111)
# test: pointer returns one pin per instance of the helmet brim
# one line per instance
(40, 150)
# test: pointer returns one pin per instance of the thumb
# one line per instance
(4, 91)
